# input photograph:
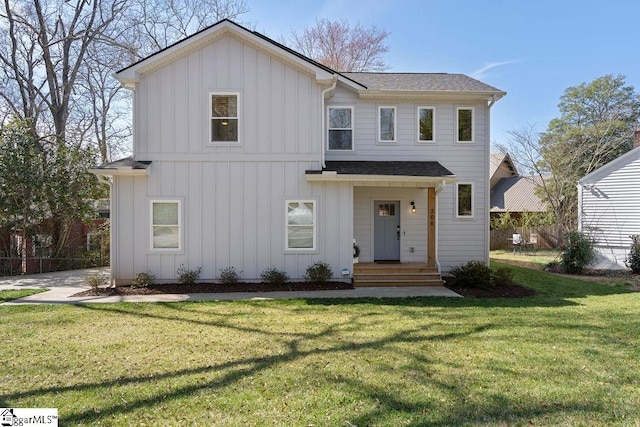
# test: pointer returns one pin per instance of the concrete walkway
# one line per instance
(63, 284)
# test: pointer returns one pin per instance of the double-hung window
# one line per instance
(465, 125)
(301, 225)
(340, 128)
(224, 117)
(464, 200)
(387, 124)
(426, 124)
(166, 225)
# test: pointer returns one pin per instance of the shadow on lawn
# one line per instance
(491, 405)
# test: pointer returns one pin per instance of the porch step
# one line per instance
(410, 274)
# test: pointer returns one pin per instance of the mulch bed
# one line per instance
(205, 288)
(514, 291)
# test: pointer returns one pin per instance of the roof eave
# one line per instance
(119, 172)
(443, 94)
(333, 176)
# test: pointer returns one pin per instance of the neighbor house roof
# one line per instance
(497, 159)
(516, 194)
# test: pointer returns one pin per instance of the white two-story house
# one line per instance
(249, 155)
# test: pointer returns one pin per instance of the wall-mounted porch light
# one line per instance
(413, 207)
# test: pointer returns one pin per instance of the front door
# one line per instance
(386, 231)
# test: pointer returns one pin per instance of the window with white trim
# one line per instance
(387, 124)
(465, 124)
(166, 225)
(301, 225)
(224, 117)
(464, 200)
(340, 128)
(426, 124)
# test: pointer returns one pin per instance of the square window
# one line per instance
(165, 225)
(426, 125)
(465, 124)
(340, 128)
(224, 117)
(301, 225)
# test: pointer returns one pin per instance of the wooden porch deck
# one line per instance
(395, 274)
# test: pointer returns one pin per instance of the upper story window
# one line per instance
(464, 200)
(387, 124)
(166, 225)
(340, 128)
(465, 124)
(426, 124)
(224, 117)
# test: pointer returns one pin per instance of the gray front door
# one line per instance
(386, 231)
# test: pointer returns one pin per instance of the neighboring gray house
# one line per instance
(511, 192)
(248, 154)
(609, 207)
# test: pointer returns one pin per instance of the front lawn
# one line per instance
(568, 356)
(11, 294)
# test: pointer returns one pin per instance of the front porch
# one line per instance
(395, 274)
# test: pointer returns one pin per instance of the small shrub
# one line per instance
(229, 276)
(474, 274)
(502, 277)
(274, 276)
(633, 260)
(186, 276)
(578, 254)
(142, 280)
(97, 281)
(318, 273)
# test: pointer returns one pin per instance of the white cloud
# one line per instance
(481, 72)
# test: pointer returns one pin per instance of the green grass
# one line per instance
(536, 260)
(568, 356)
(11, 294)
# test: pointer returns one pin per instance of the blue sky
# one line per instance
(533, 50)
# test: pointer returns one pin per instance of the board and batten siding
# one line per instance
(459, 239)
(234, 215)
(279, 106)
(610, 212)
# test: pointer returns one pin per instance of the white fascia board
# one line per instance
(119, 172)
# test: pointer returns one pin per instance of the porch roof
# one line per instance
(126, 166)
(428, 172)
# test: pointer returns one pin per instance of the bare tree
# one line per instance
(341, 47)
(45, 45)
(159, 23)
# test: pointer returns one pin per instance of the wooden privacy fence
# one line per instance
(547, 236)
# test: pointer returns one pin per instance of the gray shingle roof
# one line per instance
(421, 82)
(392, 168)
(516, 194)
(126, 163)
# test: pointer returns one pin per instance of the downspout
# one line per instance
(334, 81)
